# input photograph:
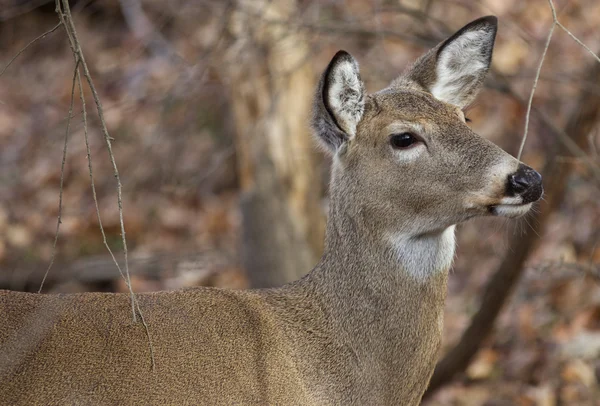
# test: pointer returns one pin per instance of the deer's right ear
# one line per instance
(339, 103)
(453, 72)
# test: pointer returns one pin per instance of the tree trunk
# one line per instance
(271, 85)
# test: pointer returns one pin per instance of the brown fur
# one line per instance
(295, 345)
(358, 330)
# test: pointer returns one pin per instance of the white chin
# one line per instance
(511, 210)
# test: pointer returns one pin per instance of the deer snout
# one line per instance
(522, 188)
(526, 183)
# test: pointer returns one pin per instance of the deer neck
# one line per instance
(385, 294)
(359, 248)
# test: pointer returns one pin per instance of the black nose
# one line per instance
(525, 182)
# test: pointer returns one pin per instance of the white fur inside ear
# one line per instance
(346, 95)
(462, 65)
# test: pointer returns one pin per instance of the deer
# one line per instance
(363, 327)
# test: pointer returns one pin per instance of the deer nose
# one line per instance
(525, 182)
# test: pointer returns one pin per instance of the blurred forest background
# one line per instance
(208, 103)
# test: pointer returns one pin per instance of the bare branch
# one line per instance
(578, 41)
(62, 177)
(501, 84)
(555, 23)
(67, 20)
(97, 206)
(535, 82)
(91, 172)
(50, 31)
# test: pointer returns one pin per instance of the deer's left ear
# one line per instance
(339, 102)
(454, 70)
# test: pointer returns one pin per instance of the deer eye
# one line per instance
(403, 140)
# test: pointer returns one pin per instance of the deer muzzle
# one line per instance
(525, 183)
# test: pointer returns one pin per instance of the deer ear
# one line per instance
(339, 101)
(453, 72)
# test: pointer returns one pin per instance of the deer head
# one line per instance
(405, 159)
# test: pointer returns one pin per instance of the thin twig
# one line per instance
(578, 41)
(503, 85)
(152, 362)
(535, 82)
(62, 177)
(67, 19)
(50, 31)
(91, 173)
(555, 23)
(97, 206)
(78, 55)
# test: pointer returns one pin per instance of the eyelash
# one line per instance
(467, 119)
